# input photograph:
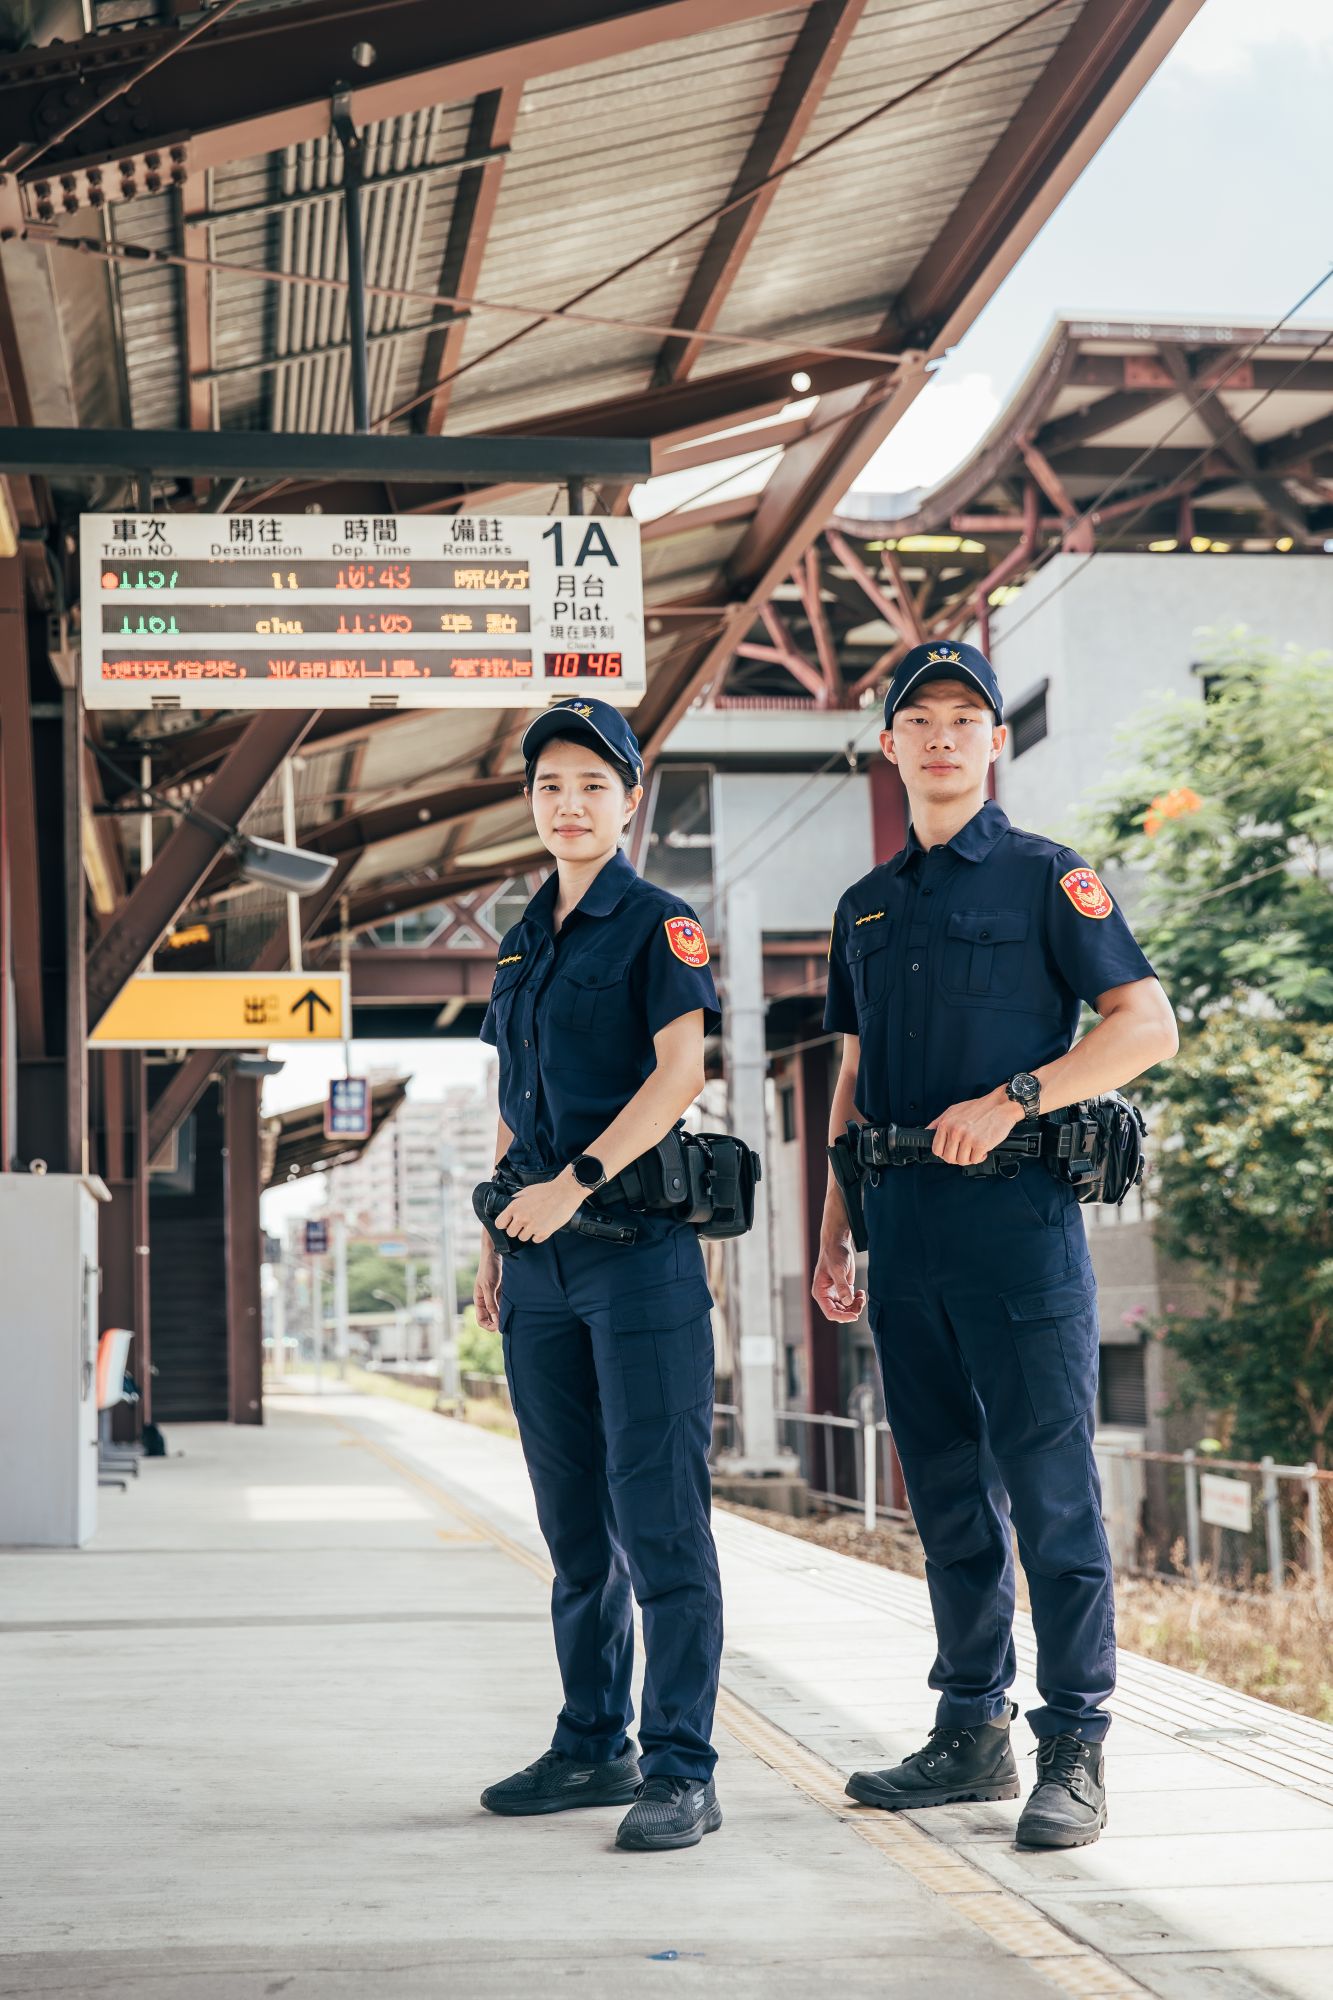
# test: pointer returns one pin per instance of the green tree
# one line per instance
(1227, 825)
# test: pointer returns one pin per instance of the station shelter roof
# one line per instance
(723, 226)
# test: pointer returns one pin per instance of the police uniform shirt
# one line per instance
(573, 1016)
(961, 966)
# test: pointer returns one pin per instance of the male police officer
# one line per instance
(956, 973)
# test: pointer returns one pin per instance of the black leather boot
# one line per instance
(954, 1766)
(1068, 1803)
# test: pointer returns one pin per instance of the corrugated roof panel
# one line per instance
(151, 314)
(578, 201)
(845, 233)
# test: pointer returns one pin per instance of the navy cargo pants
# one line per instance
(984, 1312)
(609, 1355)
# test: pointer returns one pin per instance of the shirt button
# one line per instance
(527, 1093)
(916, 968)
(927, 892)
(911, 1107)
(911, 1034)
(526, 1043)
(984, 934)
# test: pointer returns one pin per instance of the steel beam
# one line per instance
(188, 1083)
(494, 117)
(242, 1183)
(377, 905)
(196, 289)
(264, 80)
(24, 911)
(244, 454)
(158, 898)
(900, 612)
(806, 74)
(1105, 59)
(355, 832)
(1122, 406)
(1231, 441)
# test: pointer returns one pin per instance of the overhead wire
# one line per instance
(725, 208)
(730, 879)
(1214, 445)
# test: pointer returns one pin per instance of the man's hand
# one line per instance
(536, 1212)
(835, 1290)
(486, 1291)
(965, 1133)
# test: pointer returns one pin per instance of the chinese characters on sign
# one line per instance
(393, 610)
(347, 1109)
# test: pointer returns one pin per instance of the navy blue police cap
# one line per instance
(943, 662)
(594, 722)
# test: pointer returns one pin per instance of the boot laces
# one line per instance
(1060, 1759)
(943, 1738)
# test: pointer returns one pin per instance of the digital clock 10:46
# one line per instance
(602, 666)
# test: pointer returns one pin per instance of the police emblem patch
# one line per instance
(1083, 886)
(687, 940)
(576, 708)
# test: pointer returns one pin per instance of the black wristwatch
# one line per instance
(1025, 1091)
(588, 1172)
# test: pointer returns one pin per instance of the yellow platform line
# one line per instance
(1071, 1968)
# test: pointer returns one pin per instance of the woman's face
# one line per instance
(579, 803)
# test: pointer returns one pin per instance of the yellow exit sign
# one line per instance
(225, 1010)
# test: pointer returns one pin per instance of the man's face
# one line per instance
(944, 738)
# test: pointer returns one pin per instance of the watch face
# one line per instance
(588, 1171)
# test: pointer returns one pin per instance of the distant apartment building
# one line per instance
(395, 1188)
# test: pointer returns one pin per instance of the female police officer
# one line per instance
(601, 1001)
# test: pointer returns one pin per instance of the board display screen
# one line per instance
(242, 611)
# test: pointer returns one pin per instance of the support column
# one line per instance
(814, 1100)
(751, 1293)
(888, 809)
(245, 1319)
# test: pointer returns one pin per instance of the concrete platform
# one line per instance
(248, 1727)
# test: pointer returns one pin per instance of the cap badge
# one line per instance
(578, 708)
(687, 940)
(944, 656)
(1084, 888)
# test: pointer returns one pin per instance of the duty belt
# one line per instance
(1069, 1140)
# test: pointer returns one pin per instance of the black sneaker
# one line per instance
(954, 1767)
(558, 1784)
(1068, 1803)
(670, 1812)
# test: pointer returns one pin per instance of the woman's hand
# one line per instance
(536, 1212)
(486, 1291)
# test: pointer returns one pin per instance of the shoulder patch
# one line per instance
(687, 940)
(1085, 890)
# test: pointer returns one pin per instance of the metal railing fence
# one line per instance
(1239, 1523)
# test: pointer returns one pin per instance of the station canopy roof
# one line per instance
(722, 226)
(1133, 434)
(293, 1143)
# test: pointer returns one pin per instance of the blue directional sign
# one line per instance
(347, 1110)
(316, 1239)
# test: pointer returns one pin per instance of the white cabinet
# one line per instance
(49, 1284)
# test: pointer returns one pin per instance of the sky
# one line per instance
(1211, 198)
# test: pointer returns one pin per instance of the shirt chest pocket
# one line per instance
(504, 992)
(591, 997)
(868, 961)
(983, 953)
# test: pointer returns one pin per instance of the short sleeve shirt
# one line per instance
(573, 1016)
(960, 966)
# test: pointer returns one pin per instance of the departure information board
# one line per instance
(367, 611)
